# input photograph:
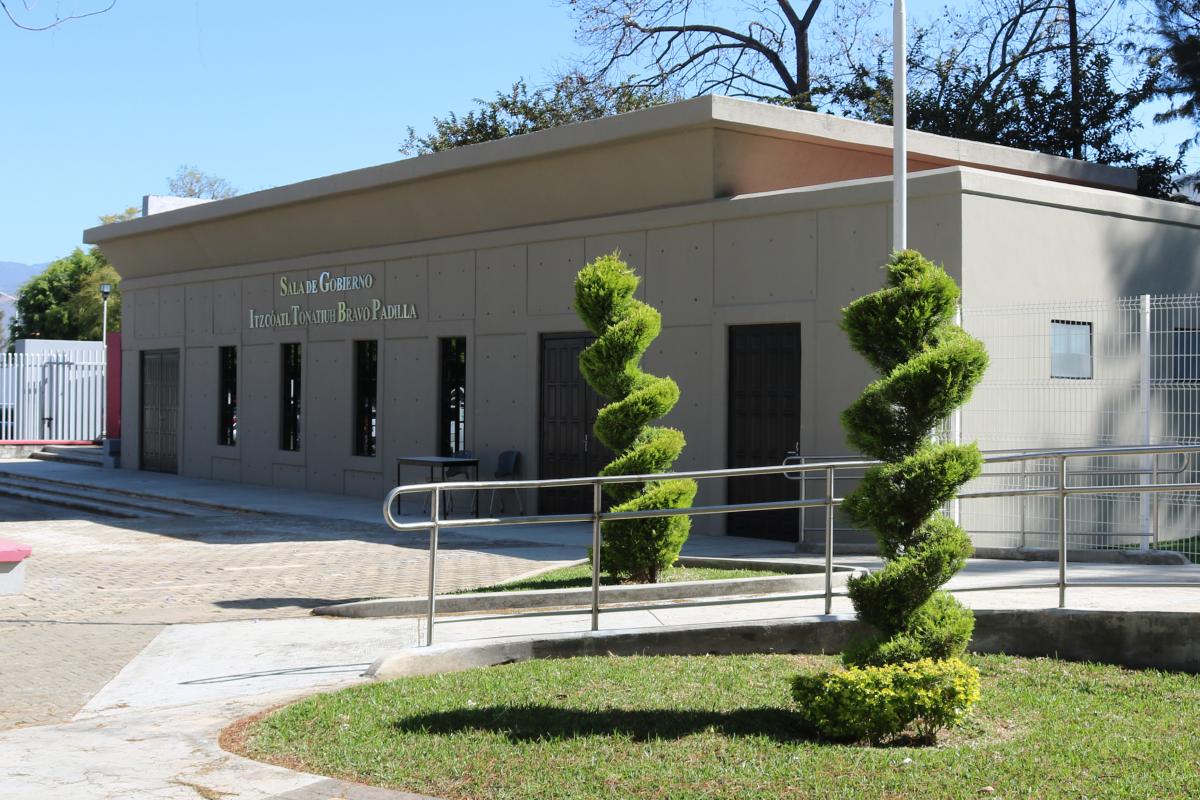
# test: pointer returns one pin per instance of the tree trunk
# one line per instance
(1076, 114)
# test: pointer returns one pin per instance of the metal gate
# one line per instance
(567, 448)
(51, 396)
(160, 410)
(764, 422)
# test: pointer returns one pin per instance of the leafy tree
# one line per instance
(1031, 110)
(929, 367)
(63, 301)
(572, 98)
(191, 182)
(130, 212)
(1175, 56)
(87, 306)
(624, 327)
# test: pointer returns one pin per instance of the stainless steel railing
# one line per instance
(597, 516)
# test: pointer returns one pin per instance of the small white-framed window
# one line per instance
(1070, 349)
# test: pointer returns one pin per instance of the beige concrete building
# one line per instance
(310, 335)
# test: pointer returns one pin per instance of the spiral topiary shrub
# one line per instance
(929, 367)
(624, 327)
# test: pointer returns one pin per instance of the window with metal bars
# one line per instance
(291, 358)
(453, 396)
(227, 396)
(366, 383)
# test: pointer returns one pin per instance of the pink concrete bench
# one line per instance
(12, 566)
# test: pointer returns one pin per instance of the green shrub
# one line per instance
(928, 367)
(879, 704)
(624, 327)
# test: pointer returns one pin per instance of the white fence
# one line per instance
(51, 396)
(1123, 371)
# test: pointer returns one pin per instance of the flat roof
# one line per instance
(709, 112)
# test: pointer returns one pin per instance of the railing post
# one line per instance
(1144, 398)
(829, 493)
(1062, 531)
(1154, 501)
(596, 505)
(1021, 500)
(433, 548)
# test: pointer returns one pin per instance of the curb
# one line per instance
(1147, 557)
(558, 598)
(1155, 639)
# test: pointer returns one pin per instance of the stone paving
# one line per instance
(99, 590)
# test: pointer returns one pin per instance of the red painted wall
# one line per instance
(113, 390)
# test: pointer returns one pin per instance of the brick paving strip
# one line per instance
(98, 591)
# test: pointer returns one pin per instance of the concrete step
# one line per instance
(88, 456)
(65, 501)
(85, 498)
(84, 450)
(184, 505)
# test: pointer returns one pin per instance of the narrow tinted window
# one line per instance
(289, 394)
(453, 412)
(366, 379)
(227, 396)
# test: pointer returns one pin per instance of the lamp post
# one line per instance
(105, 291)
(899, 125)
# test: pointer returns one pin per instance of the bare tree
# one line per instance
(191, 182)
(685, 47)
(21, 18)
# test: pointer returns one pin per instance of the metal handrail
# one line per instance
(598, 515)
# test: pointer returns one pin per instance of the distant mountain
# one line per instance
(14, 273)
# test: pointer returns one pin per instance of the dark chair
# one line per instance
(508, 467)
(457, 473)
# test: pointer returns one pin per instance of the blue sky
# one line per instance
(101, 111)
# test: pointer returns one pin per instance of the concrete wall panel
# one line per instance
(501, 418)
(198, 308)
(171, 311)
(452, 286)
(500, 283)
(408, 402)
(289, 476)
(769, 259)
(679, 273)
(228, 316)
(684, 354)
(199, 430)
(328, 395)
(258, 411)
(407, 281)
(226, 469)
(145, 313)
(854, 244)
(552, 270)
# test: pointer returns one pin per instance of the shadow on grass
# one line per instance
(539, 723)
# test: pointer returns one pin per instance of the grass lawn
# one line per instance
(722, 727)
(580, 576)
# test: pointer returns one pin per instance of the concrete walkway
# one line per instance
(152, 730)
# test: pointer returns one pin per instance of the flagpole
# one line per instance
(899, 129)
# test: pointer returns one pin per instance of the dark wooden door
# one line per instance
(567, 448)
(160, 410)
(764, 423)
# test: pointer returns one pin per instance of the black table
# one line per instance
(441, 463)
